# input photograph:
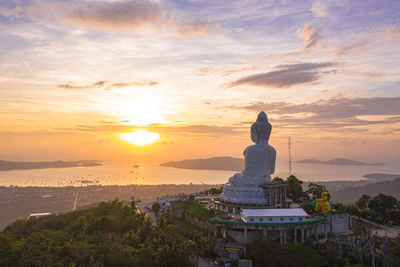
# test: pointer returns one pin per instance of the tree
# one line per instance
(199, 245)
(134, 202)
(340, 208)
(294, 189)
(278, 179)
(309, 208)
(5, 249)
(212, 191)
(381, 203)
(268, 253)
(352, 209)
(156, 207)
(111, 234)
(362, 202)
(392, 254)
(315, 190)
(360, 230)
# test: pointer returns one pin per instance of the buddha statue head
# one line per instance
(261, 129)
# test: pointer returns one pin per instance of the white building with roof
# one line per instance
(273, 215)
(37, 215)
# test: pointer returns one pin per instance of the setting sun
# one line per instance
(140, 137)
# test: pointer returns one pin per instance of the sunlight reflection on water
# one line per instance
(123, 174)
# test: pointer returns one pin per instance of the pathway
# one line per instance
(75, 201)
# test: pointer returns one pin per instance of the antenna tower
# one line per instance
(290, 157)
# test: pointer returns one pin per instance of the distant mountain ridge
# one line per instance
(22, 165)
(216, 163)
(353, 193)
(381, 176)
(236, 164)
(339, 161)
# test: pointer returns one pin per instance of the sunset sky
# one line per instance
(78, 77)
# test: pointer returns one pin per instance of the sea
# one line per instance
(116, 173)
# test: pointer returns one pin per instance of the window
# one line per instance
(281, 219)
(291, 219)
(300, 219)
(261, 219)
(252, 219)
(270, 219)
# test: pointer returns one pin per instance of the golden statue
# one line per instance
(323, 203)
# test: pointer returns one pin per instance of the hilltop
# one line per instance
(215, 163)
(24, 165)
(381, 176)
(110, 234)
(61, 199)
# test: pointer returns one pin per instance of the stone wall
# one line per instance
(177, 212)
(338, 223)
(195, 220)
(238, 235)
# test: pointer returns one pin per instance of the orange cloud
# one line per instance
(106, 85)
(139, 83)
(72, 85)
(225, 71)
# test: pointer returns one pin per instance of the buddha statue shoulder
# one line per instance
(259, 158)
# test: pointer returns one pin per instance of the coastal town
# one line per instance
(20, 202)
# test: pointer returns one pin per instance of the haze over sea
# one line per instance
(117, 173)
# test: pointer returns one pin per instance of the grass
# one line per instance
(182, 223)
(197, 210)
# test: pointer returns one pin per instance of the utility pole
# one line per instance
(290, 157)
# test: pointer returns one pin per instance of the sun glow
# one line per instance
(136, 109)
(140, 137)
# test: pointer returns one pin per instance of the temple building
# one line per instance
(273, 215)
(273, 195)
(252, 206)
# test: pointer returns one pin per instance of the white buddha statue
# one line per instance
(260, 160)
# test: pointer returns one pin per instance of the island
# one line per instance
(381, 176)
(24, 165)
(215, 163)
(339, 161)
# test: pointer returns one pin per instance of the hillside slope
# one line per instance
(351, 194)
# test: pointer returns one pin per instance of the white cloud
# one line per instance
(319, 8)
(131, 16)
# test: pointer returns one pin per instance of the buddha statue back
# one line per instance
(259, 158)
(244, 187)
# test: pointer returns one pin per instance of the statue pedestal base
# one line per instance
(253, 195)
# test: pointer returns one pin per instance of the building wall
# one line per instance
(338, 223)
(253, 235)
(275, 219)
